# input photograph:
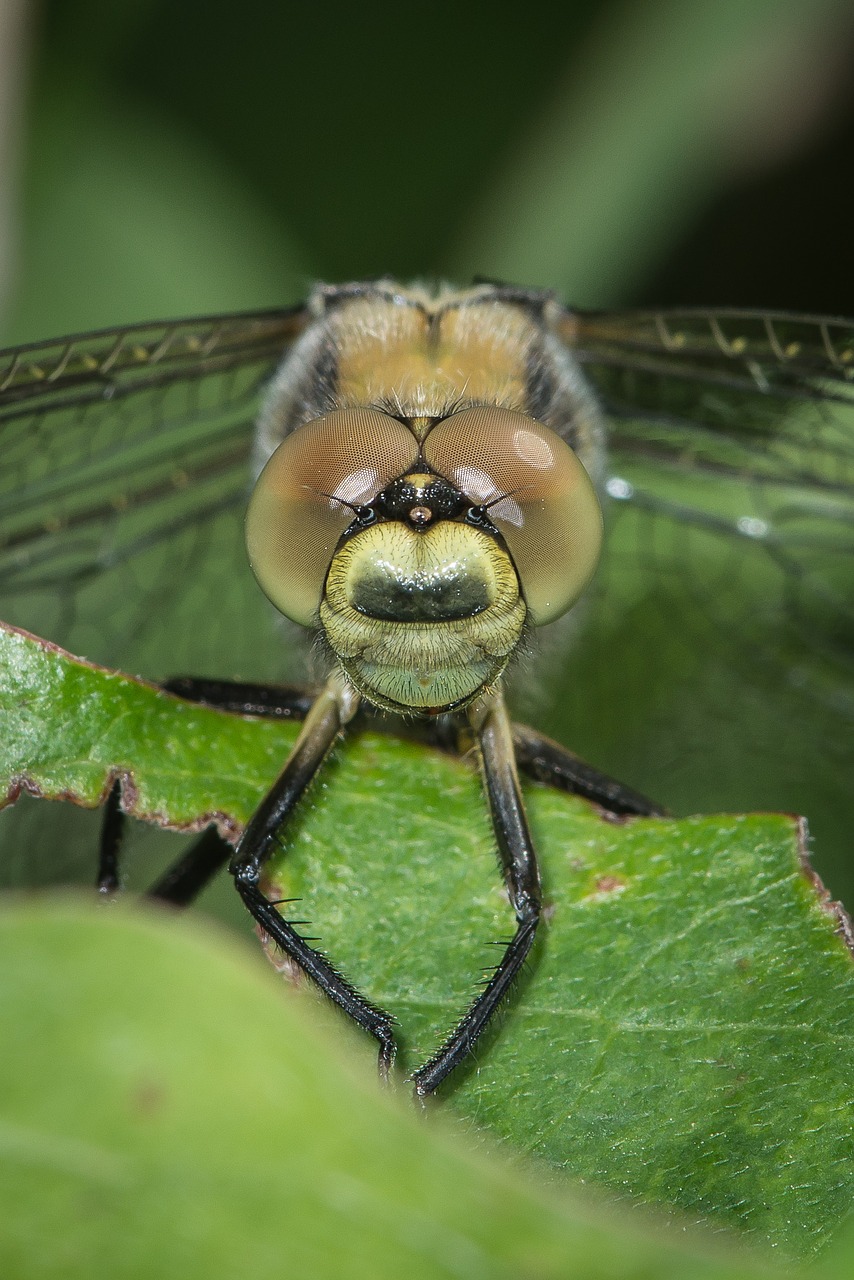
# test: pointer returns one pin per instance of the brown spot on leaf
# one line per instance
(609, 884)
(148, 1097)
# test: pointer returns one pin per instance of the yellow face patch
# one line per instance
(422, 621)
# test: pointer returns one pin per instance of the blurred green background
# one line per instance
(164, 159)
(214, 155)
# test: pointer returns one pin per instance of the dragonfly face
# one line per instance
(419, 501)
(427, 473)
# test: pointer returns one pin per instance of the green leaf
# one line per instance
(72, 728)
(683, 1033)
(166, 1112)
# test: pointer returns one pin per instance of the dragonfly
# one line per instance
(719, 443)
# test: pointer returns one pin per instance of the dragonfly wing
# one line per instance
(716, 669)
(125, 473)
(739, 426)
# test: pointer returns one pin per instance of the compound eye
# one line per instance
(538, 496)
(305, 497)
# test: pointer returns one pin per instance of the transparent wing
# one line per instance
(752, 394)
(124, 473)
(727, 603)
(741, 425)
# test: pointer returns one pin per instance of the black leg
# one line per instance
(185, 879)
(549, 762)
(181, 882)
(112, 835)
(519, 864)
(539, 757)
(333, 707)
(280, 702)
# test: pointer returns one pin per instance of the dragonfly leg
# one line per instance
(547, 761)
(181, 882)
(280, 702)
(519, 865)
(110, 843)
(332, 709)
(184, 880)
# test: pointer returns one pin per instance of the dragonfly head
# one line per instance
(423, 554)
